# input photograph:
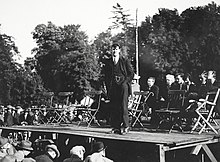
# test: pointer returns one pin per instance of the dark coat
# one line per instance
(29, 119)
(126, 69)
(8, 119)
(43, 158)
(153, 99)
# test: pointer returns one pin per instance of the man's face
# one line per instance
(179, 79)
(115, 51)
(169, 81)
(150, 82)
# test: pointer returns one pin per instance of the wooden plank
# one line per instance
(168, 139)
(162, 154)
(209, 153)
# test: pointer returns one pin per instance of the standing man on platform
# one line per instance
(118, 76)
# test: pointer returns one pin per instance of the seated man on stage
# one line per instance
(168, 85)
(151, 103)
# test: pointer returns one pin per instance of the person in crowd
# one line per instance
(8, 117)
(24, 150)
(135, 85)
(8, 158)
(208, 83)
(180, 83)
(2, 109)
(163, 93)
(76, 154)
(118, 76)
(6, 147)
(16, 115)
(51, 153)
(152, 101)
(98, 153)
(27, 118)
(212, 83)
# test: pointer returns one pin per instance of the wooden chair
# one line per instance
(89, 107)
(171, 113)
(49, 97)
(134, 106)
(65, 96)
(206, 112)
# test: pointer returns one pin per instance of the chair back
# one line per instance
(211, 99)
(49, 96)
(91, 97)
(136, 99)
(65, 95)
(176, 99)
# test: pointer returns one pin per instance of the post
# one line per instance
(136, 45)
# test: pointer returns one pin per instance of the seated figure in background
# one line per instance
(168, 85)
(151, 103)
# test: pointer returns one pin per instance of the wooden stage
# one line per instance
(163, 141)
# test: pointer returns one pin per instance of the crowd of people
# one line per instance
(179, 81)
(27, 151)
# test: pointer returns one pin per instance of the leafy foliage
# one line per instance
(65, 60)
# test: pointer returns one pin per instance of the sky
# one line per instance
(18, 18)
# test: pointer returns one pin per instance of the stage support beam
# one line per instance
(162, 153)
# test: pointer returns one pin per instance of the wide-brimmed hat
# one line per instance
(3, 141)
(26, 145)
(76, 150)
(98, 146)
(53, 147)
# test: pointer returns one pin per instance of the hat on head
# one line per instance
(76, 150)
(98, 146)
(3, 141)
(53, 147)
(114, 45)
(25, 145)
(28, 160)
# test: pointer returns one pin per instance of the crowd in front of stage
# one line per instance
(26, 151)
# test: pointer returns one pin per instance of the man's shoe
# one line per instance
(114, 131)
(124, 130)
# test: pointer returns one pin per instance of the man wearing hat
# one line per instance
(98, 154)
(50, 155)
(24, 149)
(8, 117)
(76, 154)
(6, 147)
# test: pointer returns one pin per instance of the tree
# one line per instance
(8, 68)
(201, 31)
(123, 22)
(65, 61)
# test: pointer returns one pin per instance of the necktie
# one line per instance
(114, 60)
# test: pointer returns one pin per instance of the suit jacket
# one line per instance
(126, 68)
(43, 158)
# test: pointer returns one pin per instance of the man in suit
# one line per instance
(152, 100)
(118, 76)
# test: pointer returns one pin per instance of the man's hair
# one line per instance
(153, 78)
(114, 45)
